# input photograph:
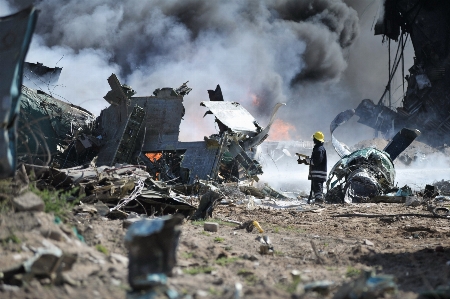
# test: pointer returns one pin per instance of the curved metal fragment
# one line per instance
(340, 119)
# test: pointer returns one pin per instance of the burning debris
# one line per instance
(130, 157)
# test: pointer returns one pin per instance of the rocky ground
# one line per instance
(311, 244)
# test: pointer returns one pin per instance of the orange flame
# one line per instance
(153, 156)
(255, 100)
(281, 130)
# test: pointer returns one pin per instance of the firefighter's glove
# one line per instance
(305, 161)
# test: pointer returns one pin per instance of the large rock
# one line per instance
(28, 202)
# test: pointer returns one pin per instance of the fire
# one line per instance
(281, 130)
(255, 100)
(153, 156)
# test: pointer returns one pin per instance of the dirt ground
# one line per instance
(416, 250)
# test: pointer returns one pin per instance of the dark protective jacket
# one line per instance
(318, 166)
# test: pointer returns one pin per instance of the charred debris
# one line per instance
(133, 146)
(425, 104)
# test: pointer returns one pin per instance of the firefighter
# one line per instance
(317, 168)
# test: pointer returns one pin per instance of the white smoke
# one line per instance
(75, 85)
(426, 169)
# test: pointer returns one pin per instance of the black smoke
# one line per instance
(290, 51)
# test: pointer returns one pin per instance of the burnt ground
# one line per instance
(413, 249)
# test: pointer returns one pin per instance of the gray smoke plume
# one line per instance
(260, 52)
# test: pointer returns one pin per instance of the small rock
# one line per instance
(200, 294)
(305, 278)
(211, 226)
(295, 273)
(368, 243)
(218, 281)
(253, 257)
(68, 230)
(223, 254)
(283, 280)
(115, 282)
(9, 288)
(45, 281)
(119, 258)
(69, 290)
(439, 249)
(177, 271)
(102, 209)
(69, 280)
(85, 209)
(116, 214)
(17, 256)
(360, 250)
(54, 234)
(28, 202)
(412, 201)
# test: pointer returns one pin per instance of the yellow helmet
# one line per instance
(319, 136)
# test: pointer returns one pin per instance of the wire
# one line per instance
(394, 69)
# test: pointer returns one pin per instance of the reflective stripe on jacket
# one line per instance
(318, 167)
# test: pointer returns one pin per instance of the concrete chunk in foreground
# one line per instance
(28, 202)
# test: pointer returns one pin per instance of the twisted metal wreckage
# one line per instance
(132, 146)
(362, 175)
(425, 103)
(96, 153)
